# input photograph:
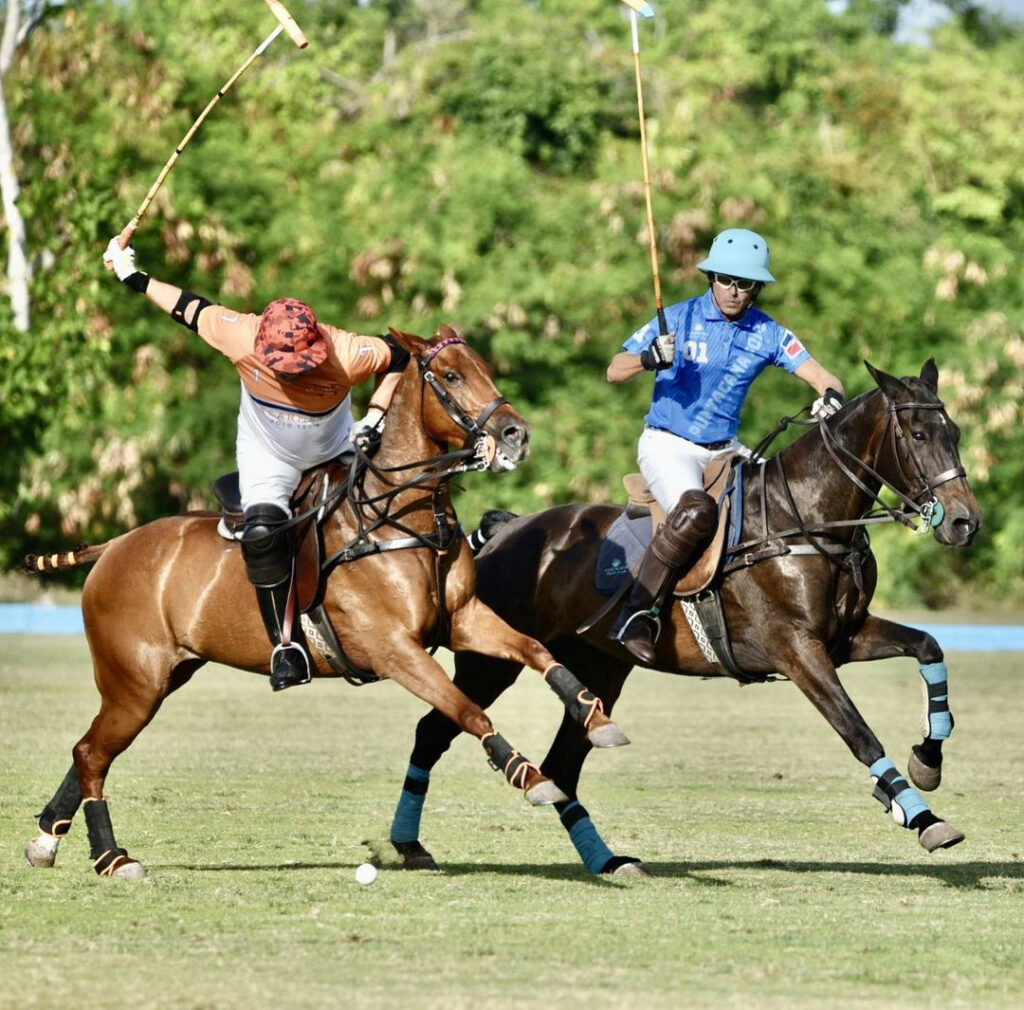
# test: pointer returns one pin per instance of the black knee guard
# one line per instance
(265, 545)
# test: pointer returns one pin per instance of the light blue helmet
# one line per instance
(737, 252)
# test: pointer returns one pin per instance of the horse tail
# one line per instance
(83, 554)
(491, 521)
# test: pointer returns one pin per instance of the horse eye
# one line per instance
(451, 376)
(918, 436)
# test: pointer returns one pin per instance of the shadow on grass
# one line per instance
(963, 876)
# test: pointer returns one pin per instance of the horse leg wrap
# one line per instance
(405, 825)
(896, 794)
(503, 757)
(105, 854)
(588, 843)
(58, 813)
(581, 704)
(938, 720)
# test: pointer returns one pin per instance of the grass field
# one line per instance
(780, 882)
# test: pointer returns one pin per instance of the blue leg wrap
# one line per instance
(895, 794)
(405, 827)
(582, 833)
(938, 717)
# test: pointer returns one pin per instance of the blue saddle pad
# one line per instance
(620, 552)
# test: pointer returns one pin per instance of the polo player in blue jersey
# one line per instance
(714, 346)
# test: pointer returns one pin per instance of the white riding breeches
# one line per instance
(275, 447)
(671, 464)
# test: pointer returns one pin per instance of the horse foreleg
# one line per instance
(477, 628)
(407, 664)
(807, 664)
(482, 679)
(881, 639)
(55, 822)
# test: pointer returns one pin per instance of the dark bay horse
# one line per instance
(172, 595)
(799, 614)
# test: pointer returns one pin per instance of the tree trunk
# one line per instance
(18, 270)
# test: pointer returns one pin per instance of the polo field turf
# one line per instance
(780, 883)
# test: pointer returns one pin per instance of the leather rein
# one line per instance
(438, 469)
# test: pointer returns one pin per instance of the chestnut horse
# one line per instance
(798, 612)
(172, 595)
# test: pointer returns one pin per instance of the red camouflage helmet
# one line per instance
(288, 339)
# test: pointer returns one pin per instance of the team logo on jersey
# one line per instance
(791, 345)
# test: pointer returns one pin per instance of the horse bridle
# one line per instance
(473, 428)
(931, 512)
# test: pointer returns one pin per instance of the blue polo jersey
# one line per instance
(700, 395)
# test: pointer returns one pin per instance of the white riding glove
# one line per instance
(122, 260)
(369, 430)
(660, 354)
(827, 404)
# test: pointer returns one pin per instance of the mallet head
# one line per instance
(280, 12)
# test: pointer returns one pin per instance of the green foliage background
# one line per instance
(478, 163)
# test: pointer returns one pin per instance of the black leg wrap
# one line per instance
(101, 835)
(58, 813)
(571, 816)
(923, 820)
(578, 701)
(504, 758)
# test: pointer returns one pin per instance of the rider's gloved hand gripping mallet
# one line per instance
(286, 24)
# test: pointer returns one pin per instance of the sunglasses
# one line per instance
(741, 283)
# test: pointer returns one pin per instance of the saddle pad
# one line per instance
(620, 552)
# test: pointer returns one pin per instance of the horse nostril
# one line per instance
(965, 527)
(515, 434)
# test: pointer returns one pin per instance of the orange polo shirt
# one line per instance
(351, 357)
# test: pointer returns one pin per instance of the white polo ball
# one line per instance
(366, 873)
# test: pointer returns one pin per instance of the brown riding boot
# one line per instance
(675, 545)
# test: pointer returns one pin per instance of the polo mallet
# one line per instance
(645, 11)
(286, 24)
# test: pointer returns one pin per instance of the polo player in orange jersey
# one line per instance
(295, 413)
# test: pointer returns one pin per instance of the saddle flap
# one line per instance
(716, 483)
(640, 498)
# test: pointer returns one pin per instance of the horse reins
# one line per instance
(930, 512)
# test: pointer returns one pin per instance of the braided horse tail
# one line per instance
(83, 554)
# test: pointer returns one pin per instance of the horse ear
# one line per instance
(930, 375)
(446, 332)
(412, 343)
(892, 387)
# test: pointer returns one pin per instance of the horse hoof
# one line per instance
(940, 835)
(40, 854)
(414, 856)
(629, 868)
(608, 735)
(130, 870)
(544, 793)
(923, 776)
